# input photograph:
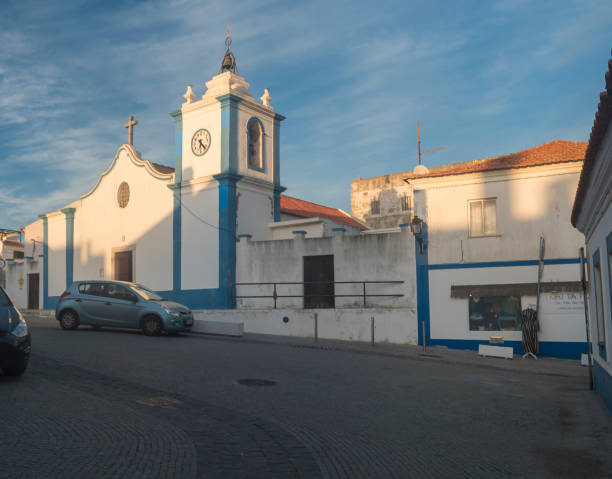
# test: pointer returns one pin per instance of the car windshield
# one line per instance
(4, 300)
(146, 293)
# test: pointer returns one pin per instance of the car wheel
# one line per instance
(16, 370)
(69, 320)
(152, 326)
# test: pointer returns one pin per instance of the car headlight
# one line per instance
(21, 330)
(170, 311)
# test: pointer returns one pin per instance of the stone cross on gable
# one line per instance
(129, 125)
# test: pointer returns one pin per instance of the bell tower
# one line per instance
(227, 179)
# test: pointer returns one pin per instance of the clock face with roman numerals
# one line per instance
(200, 142)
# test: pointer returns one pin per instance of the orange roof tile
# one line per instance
(306, 209)
(162, 168)
(554, 152)
(16, 244)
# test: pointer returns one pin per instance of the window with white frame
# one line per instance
(482, 217)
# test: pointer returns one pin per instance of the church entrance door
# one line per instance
(319, 281)
(123, 266)
(33, 290)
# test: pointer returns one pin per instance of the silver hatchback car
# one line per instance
(119, 304)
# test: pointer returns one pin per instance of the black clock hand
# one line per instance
(201, 144)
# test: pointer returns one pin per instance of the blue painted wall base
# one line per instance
(603, 384)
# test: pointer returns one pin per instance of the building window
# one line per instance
(405, 202)
(495, 313)
(375, 207)
(255, 144)
(599, 313)
(123, 195)
(482, 217)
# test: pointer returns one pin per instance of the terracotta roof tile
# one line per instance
(598, 132)
(306, 209)
(548, 153)
(16, 244)
(162, 168)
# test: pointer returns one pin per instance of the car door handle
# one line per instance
(108, 304)
(78, 300)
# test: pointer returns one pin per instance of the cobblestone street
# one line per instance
(117, 404)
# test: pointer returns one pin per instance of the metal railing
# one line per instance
(275, 295)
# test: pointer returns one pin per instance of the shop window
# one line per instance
(495, 313)
(599, 313)
(482, 217)
(255, 144)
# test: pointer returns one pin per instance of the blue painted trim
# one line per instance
(227, 236)
(609, 263)
(557, 349)
(229, 132)
(499, 264)
(277, 201)
(69, 212)
(263, 134)
(245, 235)
(404, 225)
(177, 212)
(596, 262)
(603, 384)
(276, 153)
(338, 229)
(214, 298)
(299, 232)
(45, 261)
(422, 279)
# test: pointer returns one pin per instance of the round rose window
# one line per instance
(123, 194)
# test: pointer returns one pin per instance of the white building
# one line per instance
(592, 215)
(477, 257)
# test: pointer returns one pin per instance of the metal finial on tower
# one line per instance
(228, 64)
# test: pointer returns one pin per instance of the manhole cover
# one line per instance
(256, 382)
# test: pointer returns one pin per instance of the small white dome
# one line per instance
(420, 170)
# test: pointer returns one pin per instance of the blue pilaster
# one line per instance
(69, 212)
(278, 189)
(45, 261)
(227, 237)
(177, 196)
(422, 278)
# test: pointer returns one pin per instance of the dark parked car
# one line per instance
(119, 304)
(14, 338)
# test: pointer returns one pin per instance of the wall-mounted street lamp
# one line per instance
(416, 226)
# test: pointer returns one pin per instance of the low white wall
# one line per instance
(382, 257)
(398, 325)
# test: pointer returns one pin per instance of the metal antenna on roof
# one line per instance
(419, 142)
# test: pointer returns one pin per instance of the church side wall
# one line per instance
(200, 236)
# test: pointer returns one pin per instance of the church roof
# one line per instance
(598, 132)
(306, 209)
(16, 244)
(549, 153)
(162, 168)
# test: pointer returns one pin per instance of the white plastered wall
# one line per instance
(255, 205)
(201, 114)
(561, 318)
(144, 226)
(200, 235)
(57, 253)
(531, 202)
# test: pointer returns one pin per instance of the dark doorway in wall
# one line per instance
(319, 281)
(123, 266)
(33, 290)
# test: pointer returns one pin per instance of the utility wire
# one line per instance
(204, 221)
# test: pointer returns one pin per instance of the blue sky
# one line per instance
(352, 77)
